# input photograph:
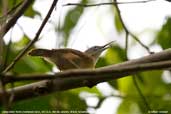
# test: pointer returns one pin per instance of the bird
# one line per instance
(68, 59)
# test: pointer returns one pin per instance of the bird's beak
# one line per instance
(106, 46)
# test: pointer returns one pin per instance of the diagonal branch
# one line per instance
(127, 30)
(143, 45)
(21, 54)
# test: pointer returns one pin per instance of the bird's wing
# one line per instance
(73, 59)
(74, 53)
(77, 58)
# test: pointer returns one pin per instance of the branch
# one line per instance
(74, 79)
(126, 44)
(89, 74)
(80, 78)
(157, 57)
(21, 54)
(105, 3)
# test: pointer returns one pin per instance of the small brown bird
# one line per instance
(66, 59)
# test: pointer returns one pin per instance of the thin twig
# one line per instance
(127, 30)
(106, 3)
(34, 40)
(14, 8)
(4, 97)
(7, 53)
(143, 45)
(4, 7)
(119, 14)
(14, 17)
(126, 44)
(12, 94)
(140, 92)
(9, 12)
(134, 78)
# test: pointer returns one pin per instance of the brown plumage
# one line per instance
(66, 59)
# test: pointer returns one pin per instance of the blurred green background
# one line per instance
(154, 85)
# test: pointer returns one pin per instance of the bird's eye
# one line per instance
(95, 47)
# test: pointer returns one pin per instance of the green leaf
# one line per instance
(68, 101)
(32, 64)
(93, 90)
(101, 62)
(153, 89)
(153, 83)
(115, 55)
(164, 35)
(27, 64)
(58, 101)
(114, 84)
(117, 21)
(22, 43)
(125, 85)
(71, 19)
(30, 12)
(35, 104)
(129, 106)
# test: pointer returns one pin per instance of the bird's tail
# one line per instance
(40, 52)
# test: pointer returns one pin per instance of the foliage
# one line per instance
(164, 35)
(155, 90)
(65, 101)
(13, 4)
(71, 20)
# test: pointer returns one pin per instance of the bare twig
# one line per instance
(106, 3)
(134, 76)
(140, 92)
(14, 8)
(126, 44)
(4, 7)
(4, 95)
(127, 30)
(1, 54)
(7, 52)
(120, 17)
(35, 38)
(143, 45)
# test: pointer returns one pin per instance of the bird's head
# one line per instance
(95, 51)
